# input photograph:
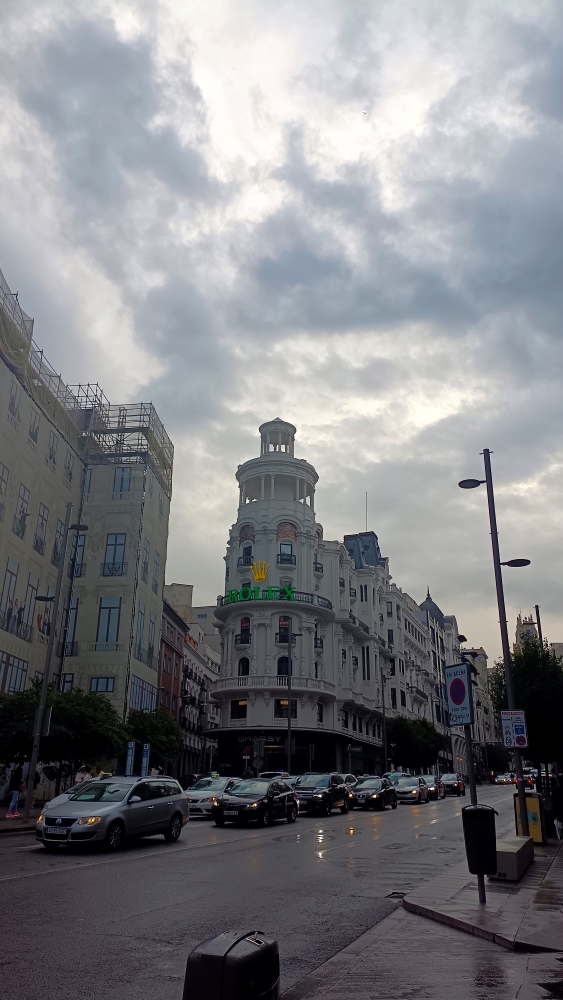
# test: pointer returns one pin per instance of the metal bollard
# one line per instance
(236, 965)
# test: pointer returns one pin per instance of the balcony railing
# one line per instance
(39, 544)
(323, 602)
(273, 681)
(318, 568)
(243, 639)
(20, 525)
(144, 655)
(418, 693)
(282, 637)
(363, 627)
(106, 647)
(245, 560)
(56, 555)
(286, 559)
(113, 569)
(9, 623)
(319, 643)
(342, 583)
(76, 569)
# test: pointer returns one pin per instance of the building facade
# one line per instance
(359, 646)
(64, 444)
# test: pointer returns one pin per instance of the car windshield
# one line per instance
(449, 777)
(407, 782)
(372, 783)
(99, 791)
(312, 781)
(429, 779)
(252, 786)
(211, 784)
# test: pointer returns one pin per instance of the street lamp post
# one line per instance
(385, 760)
(290, 637)
(40, 713)
(469, 484)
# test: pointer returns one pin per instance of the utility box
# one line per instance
(480, 839)
(236, 965)
(536, 823)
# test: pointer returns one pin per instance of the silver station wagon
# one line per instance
(109, 811)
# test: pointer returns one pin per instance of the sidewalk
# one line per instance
(18, 825)
(523, 916)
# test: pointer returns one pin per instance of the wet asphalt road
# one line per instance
(82, 924)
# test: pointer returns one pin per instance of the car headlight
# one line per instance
(40, 818)
(318, 795)
(414, 791)
(253, 805)
(89, 820)
(375, 795)
(214, 801)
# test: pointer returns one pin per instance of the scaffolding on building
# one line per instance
(102, 432)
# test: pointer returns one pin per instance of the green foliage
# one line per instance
(160, 730)
(538, 688)
(84, 727)
(498, 758)
(414, 743)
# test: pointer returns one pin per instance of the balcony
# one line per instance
(272, 681)
(106, 647)
(286, 559)
(113, 569)
(323, 602)
(282, 637)
(20, 525)
(419, 694)
(144, 655)
(319, 643)
(243, 639)
(352, 593)
(318, 568)
(76, 569)
(9, 623)
(39, 544)
(243, 561)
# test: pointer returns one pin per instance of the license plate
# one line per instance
(59, 831)
(230, 812)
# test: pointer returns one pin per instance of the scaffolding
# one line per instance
(100, 431)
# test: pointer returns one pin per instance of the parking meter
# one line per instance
(236, 965)
(480, 839)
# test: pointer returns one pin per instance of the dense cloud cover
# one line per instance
(347, 215)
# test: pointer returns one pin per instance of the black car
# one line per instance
(321, 793)
(436, 786)
(376, 793)
(453, 784)
(256, 800)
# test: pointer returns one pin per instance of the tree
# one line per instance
(415, 743)
(538, 688)
(84, 727)
(160, 730)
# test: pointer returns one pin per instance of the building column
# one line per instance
(272, 478)
(261, 487)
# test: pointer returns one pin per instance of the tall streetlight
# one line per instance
(470, 484)
(385, 759)
(290, 637)
(40, 713)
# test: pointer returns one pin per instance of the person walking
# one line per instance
(15, 786)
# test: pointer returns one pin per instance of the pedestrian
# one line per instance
(557, 803)
(16, 786)
(83, 775)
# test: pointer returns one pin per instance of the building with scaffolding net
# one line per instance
(63, 444)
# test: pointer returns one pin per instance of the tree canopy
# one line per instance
(161, 731)
(414, 743)
(538, 687)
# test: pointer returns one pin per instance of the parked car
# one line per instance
(273, 774)
(413, 789)
(503, 779)
(321, 793)
(351, 780)
(203, 794)
(376, 793)
(109, 811)
(256, 800)
(454, 784)
(436, 787)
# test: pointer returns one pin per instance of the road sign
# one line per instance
(145, 760)
(514, 731)
(130, 758)
(460, 694)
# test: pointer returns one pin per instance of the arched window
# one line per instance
(282, 667)
(316, 670)
(244, 667)
(244, 637)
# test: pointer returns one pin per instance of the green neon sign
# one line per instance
(255, 594)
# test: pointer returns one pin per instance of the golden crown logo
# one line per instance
(259, 571)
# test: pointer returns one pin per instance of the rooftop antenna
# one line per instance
(366, 511)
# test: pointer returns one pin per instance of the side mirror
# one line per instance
(134, 798)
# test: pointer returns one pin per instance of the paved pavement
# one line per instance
(84, 924)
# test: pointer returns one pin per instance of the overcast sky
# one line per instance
(344, 214)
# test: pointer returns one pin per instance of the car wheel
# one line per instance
(174, 830)
(381, 805)
(219, 821)
(51, 847)
(345, 808)
(419, 799)
(263, 818)
(394, 803)
(115, 836)
(291, 814)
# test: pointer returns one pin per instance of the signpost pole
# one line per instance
(473, 795)
(289, 666)
(510, 695)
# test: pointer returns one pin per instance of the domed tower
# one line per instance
(274, 577)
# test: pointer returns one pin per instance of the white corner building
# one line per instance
(357, 638)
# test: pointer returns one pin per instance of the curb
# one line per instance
(17, 830)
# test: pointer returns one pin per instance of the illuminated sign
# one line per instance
(267, 594)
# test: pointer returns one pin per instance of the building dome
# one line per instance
(433, 610)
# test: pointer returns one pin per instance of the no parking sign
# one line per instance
(459, 693)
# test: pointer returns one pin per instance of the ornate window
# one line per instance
(286, 530)
(244, 667)
(246, 533)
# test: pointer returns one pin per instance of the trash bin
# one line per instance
(536, 818)
(480, 839)
(236, 965)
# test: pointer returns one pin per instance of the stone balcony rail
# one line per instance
(272, 681)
